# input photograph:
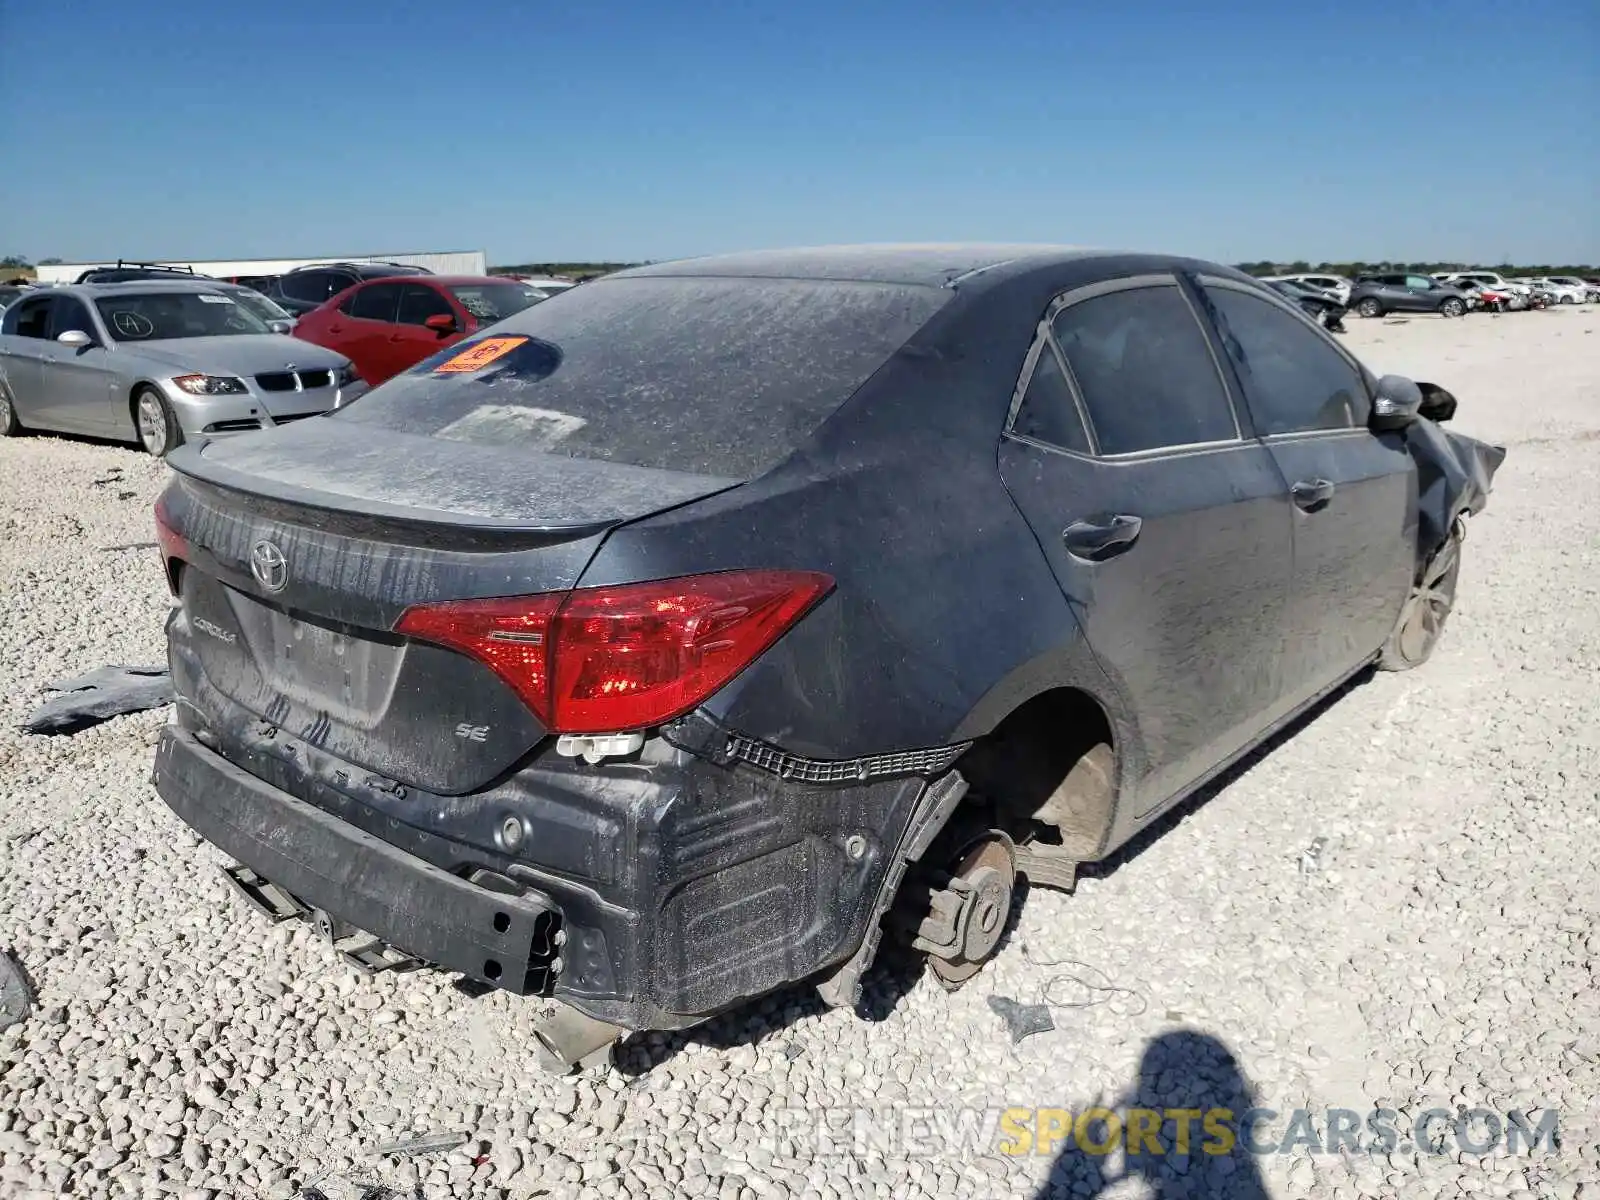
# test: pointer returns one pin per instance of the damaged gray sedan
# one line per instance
(668, 644)
(158, 363)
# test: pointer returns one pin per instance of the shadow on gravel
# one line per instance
(1176, 815)
(1176, 1128)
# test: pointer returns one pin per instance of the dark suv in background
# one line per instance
(1375, 295)
(130, 272)
(306, 288)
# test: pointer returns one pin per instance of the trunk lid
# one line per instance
(348, 526)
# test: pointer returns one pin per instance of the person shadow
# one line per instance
(1187, 1079)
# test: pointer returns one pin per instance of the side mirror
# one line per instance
(1437, 404)
(441, 323)
(281, 326)
(75, 339)
(1396, 403)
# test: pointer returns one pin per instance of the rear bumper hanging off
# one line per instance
(325, 863)
(643, 899)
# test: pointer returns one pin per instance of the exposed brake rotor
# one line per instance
(967, 916)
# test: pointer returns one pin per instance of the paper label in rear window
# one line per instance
(207, 298)
(478, 355)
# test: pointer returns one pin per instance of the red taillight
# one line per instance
(173, 547)
(603, 660)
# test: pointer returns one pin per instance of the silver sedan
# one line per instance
(158, 363)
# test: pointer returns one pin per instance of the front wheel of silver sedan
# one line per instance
(157, 425)
(9, 425)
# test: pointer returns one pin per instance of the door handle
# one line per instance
(1101, 539)
(1310, 495)
(335, 328)
(397, 337)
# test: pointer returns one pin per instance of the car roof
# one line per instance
(145, 286)
(445, 279)
(929, 265)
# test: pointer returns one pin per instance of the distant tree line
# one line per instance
(1352, 269)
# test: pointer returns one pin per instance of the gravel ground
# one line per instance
(1398, 906)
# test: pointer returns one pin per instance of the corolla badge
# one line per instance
(269, 566)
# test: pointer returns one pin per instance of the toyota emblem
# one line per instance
(269, 566)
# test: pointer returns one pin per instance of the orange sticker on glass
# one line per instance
(479, 355)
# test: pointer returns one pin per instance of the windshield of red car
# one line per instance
(491, 302)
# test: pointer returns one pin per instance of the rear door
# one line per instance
(361, 326)
(22, 349)
(1166, 524)
(1353, 492)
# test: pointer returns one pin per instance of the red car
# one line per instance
(385, 326)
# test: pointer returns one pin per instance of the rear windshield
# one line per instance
(712, 376)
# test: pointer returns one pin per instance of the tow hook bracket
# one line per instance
(266, 897)
(573, 1041)
(358, 948)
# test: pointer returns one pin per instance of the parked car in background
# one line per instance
(547, 284)
(1320, 306)
(157, 362)
(1375, 295)
(278, 318)
(1594, 287)
(1568, 289)
(306, 288)
(1480, 296)
(1335, 285)
(123, 272)
(1540, 293)
(386, 326)
(586, 660)
(258, 283)
(1489, 279)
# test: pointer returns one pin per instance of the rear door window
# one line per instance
(315, 286)
(1144, 370)
(375, 302)
(717, 376)
(31, 317)
(1048, 412)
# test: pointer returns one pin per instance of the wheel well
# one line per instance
(1022, 763)
(133, 405)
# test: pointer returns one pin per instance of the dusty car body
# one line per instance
(644, 651)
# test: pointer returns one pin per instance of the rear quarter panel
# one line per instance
(946, 615)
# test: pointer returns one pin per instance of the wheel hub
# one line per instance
(967, 917)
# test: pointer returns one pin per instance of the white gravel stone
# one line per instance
(1442, 949)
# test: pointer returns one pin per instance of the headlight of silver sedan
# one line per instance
(210, 385)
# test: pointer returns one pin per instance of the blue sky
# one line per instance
(1403, 129)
